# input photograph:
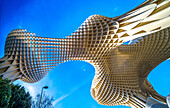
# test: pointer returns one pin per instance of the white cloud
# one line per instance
(32, 89)
(29, 87)
(59, 99)
(83, 68)
(19, 26)
(73, 90)
(115, 9)
(35, 88)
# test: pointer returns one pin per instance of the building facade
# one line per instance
(121, 69)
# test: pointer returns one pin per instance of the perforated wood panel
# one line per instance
(120, 70)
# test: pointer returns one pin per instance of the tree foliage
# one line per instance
(46, 101)
(5, 92)
(19, 97)
(13, 96)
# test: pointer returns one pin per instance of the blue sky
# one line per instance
(70, 82)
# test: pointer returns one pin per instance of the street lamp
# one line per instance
(46, 87)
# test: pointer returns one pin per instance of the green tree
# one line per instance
(13, 96)
(19, 97)
(5, 92)
(46, 101)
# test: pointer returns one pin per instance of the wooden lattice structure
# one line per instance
(120, 70)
